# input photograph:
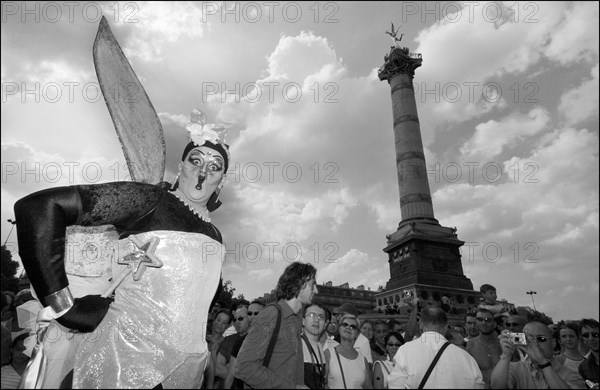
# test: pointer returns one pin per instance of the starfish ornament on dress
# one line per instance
(142, 257)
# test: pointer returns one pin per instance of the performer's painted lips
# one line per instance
(201, 179)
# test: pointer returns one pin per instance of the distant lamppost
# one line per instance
(11, 229)
(531, 293)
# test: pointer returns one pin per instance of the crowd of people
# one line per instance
(490, 348)
(296, 342)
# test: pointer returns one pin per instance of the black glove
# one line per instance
(87, 312)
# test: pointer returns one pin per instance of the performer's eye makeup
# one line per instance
(216, 167)
(215, 164)
(196, 158)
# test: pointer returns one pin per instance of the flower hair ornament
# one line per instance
(211, 136)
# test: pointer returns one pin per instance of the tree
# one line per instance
(534, 315)
(9, 270)
(226, 297)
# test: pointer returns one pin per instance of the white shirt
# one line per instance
(229, 331)
(362, 345)
(330, 344)
(309, 357)
(455, 369)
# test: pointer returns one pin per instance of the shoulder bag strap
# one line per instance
(310, 348)
(271, 346)
(341, 369)
(381, 364)
(384, 366)
(433, 363)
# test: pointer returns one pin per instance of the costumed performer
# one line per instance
(153, 241)
(152, 330)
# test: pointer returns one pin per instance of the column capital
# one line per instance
(399, 60)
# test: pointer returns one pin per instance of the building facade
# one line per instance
(330, 297)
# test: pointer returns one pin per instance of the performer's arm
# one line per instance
(42, 219)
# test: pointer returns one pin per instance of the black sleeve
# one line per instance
(42, 218)
(237, 346)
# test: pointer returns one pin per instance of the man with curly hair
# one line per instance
(285, 368)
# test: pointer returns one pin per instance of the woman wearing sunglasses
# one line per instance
(382, 368)
(346, 367)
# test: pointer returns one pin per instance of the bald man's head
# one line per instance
(434, 319)
(540, 334)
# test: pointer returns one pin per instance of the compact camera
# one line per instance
(518, 338)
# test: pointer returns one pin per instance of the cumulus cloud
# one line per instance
(26, 169)
(571, 40)
(262, 274)
(482, 83)
(157, 24)
(492, 137)
(282, 217)
(354, 267)
(581, 103)
(533, 223)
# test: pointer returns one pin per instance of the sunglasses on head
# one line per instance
(512, 324)
(486, 320)
(347, 325)
(253, 313)
(394, 345)
(590, 335)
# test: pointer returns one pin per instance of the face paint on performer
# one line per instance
(201, 172)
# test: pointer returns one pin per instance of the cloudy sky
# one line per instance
(507, 98)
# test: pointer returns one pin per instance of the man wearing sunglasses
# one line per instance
(241, 323)
(539, 369)
(485, 348)
(254, 309)
(514, 323)
(588, 369)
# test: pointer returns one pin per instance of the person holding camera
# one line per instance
(539, 369)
